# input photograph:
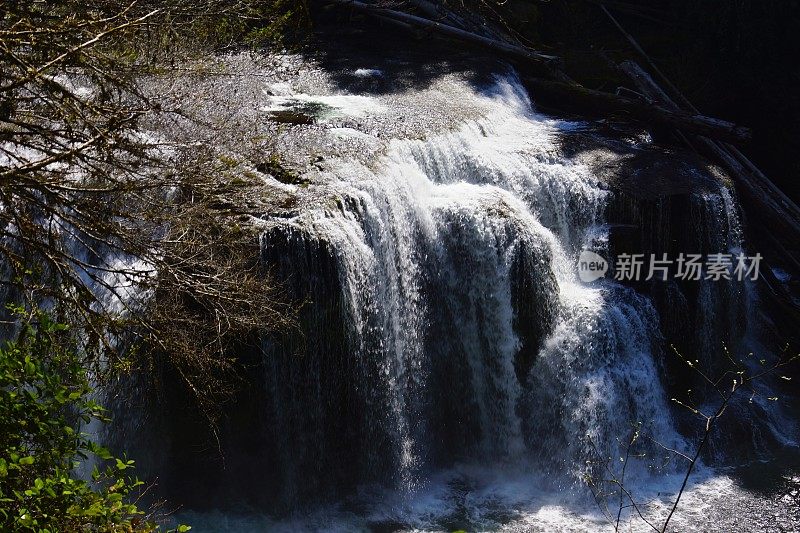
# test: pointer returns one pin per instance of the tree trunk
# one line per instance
(593, 101)
(778, 212)
(743, 171)
(565, 90)
(507, 49)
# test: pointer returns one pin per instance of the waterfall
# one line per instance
(451, 370)
(468, 335)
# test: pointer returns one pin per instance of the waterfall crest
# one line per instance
(455, 260)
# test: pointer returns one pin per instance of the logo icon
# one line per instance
(591, 266)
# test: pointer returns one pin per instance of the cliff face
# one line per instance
(429, 227)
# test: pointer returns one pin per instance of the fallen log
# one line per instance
(436, 12)
(645, 84)
(594, 101)
(564, 89)
(511, 50)
(775, 207)
(635, 44)
(780, 207)
(741, 168)
(397, 23)
(439, 13)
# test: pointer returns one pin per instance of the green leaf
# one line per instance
(100, 452)
(42, 384)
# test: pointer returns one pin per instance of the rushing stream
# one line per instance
(453, 371)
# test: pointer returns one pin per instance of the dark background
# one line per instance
(733, 59)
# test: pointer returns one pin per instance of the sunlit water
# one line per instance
(455, 252)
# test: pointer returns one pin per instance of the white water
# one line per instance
(453, 255)
(461, 212)
(497, 500)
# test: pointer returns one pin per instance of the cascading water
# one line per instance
(453, 371)
(456, 260)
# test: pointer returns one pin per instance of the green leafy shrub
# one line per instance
(45, 399)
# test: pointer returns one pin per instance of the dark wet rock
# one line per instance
(275, 168)
(387, 526)
(669, 201)
(323, 394)
(291, 116)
